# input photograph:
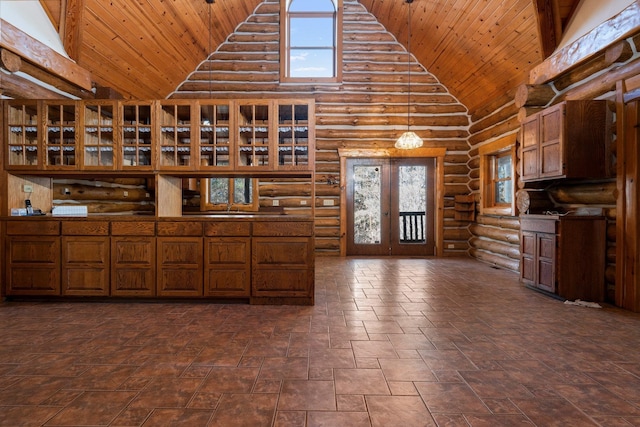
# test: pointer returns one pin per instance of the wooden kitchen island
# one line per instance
(262, 259)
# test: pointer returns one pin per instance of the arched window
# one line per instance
(311, 34)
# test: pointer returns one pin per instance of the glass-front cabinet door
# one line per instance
(137, 136)
(176, 136)
(22, 141)
(294, 133)
(98, 135)
(214, 147)
(253, 136)
(60, 134)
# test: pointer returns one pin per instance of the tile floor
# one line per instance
(396, 342)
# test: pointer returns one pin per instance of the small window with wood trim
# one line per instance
(229, 194)
(497, 176)
(310, 40)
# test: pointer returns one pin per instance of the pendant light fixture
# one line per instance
(409, 139)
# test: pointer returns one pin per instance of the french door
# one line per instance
(390, 207)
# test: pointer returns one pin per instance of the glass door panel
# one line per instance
(60, 134)
(253, 135)
(390, 207)
(293, 136)
(98, 141)
(214, 135)
(22, 135)
(136, 136)
(175, 135)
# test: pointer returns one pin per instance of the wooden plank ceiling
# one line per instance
(480, 49)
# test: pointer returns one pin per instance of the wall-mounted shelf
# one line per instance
(465, 208)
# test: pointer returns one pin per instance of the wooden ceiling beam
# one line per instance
(623, 25)
(36, 52)
(549, 27)
(18, 87)
(71, 26)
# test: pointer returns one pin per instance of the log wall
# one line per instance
(595, 79)
(368, 109)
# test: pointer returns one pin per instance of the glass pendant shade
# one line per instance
(408, 140)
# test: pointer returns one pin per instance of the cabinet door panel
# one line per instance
(551, 160)
(528, 243)
(546, 272)
(547, 246)
(227, 283)
(291, 252)
(33, 280)
(133, 266)
(227, 266)
(527, 270)
(290, 282)
(85, 266)
(180, 266)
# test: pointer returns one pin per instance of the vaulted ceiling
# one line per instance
(480, 49)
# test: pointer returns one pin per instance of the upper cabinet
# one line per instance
(22, 135)
(137, 135)
(294, 135)
(60, 134)
(568, 140)
(162, 135)
(254, 136)
(214, 142)
(98, 121)
(176, 134)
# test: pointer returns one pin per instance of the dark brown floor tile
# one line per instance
(250, 410)
(332, 419)
(406, 370)
(93, 408)
(12, 416)
(290, 419)
(597, 400)
(553, 412)
(360, 381)
(495, 384)
(167, 393)
(307, 396)
(351, 403)
(178, 417)
(451, 398)
(230, 380)
(497, 420)
(398, 411)
(375, 349)
(285, 367)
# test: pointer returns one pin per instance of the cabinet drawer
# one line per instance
(270, 252)
(538, 225)
(33, 228)
(88, 228)
(126, 228)
(179, 228)
(227, 229)
(283, 229)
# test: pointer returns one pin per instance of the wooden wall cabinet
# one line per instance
(22, 134)
(564, 255)
(567, 140)
(99, 141)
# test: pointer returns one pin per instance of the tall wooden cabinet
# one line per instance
(564, 255)
(568, 140)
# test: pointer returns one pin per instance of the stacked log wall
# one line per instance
(595, 79)
(367, 109)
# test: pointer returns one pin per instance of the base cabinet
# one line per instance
(85, 266)
(266, 262)
(33, 266)
(32, 258)
(179, 267)
(564, 255)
